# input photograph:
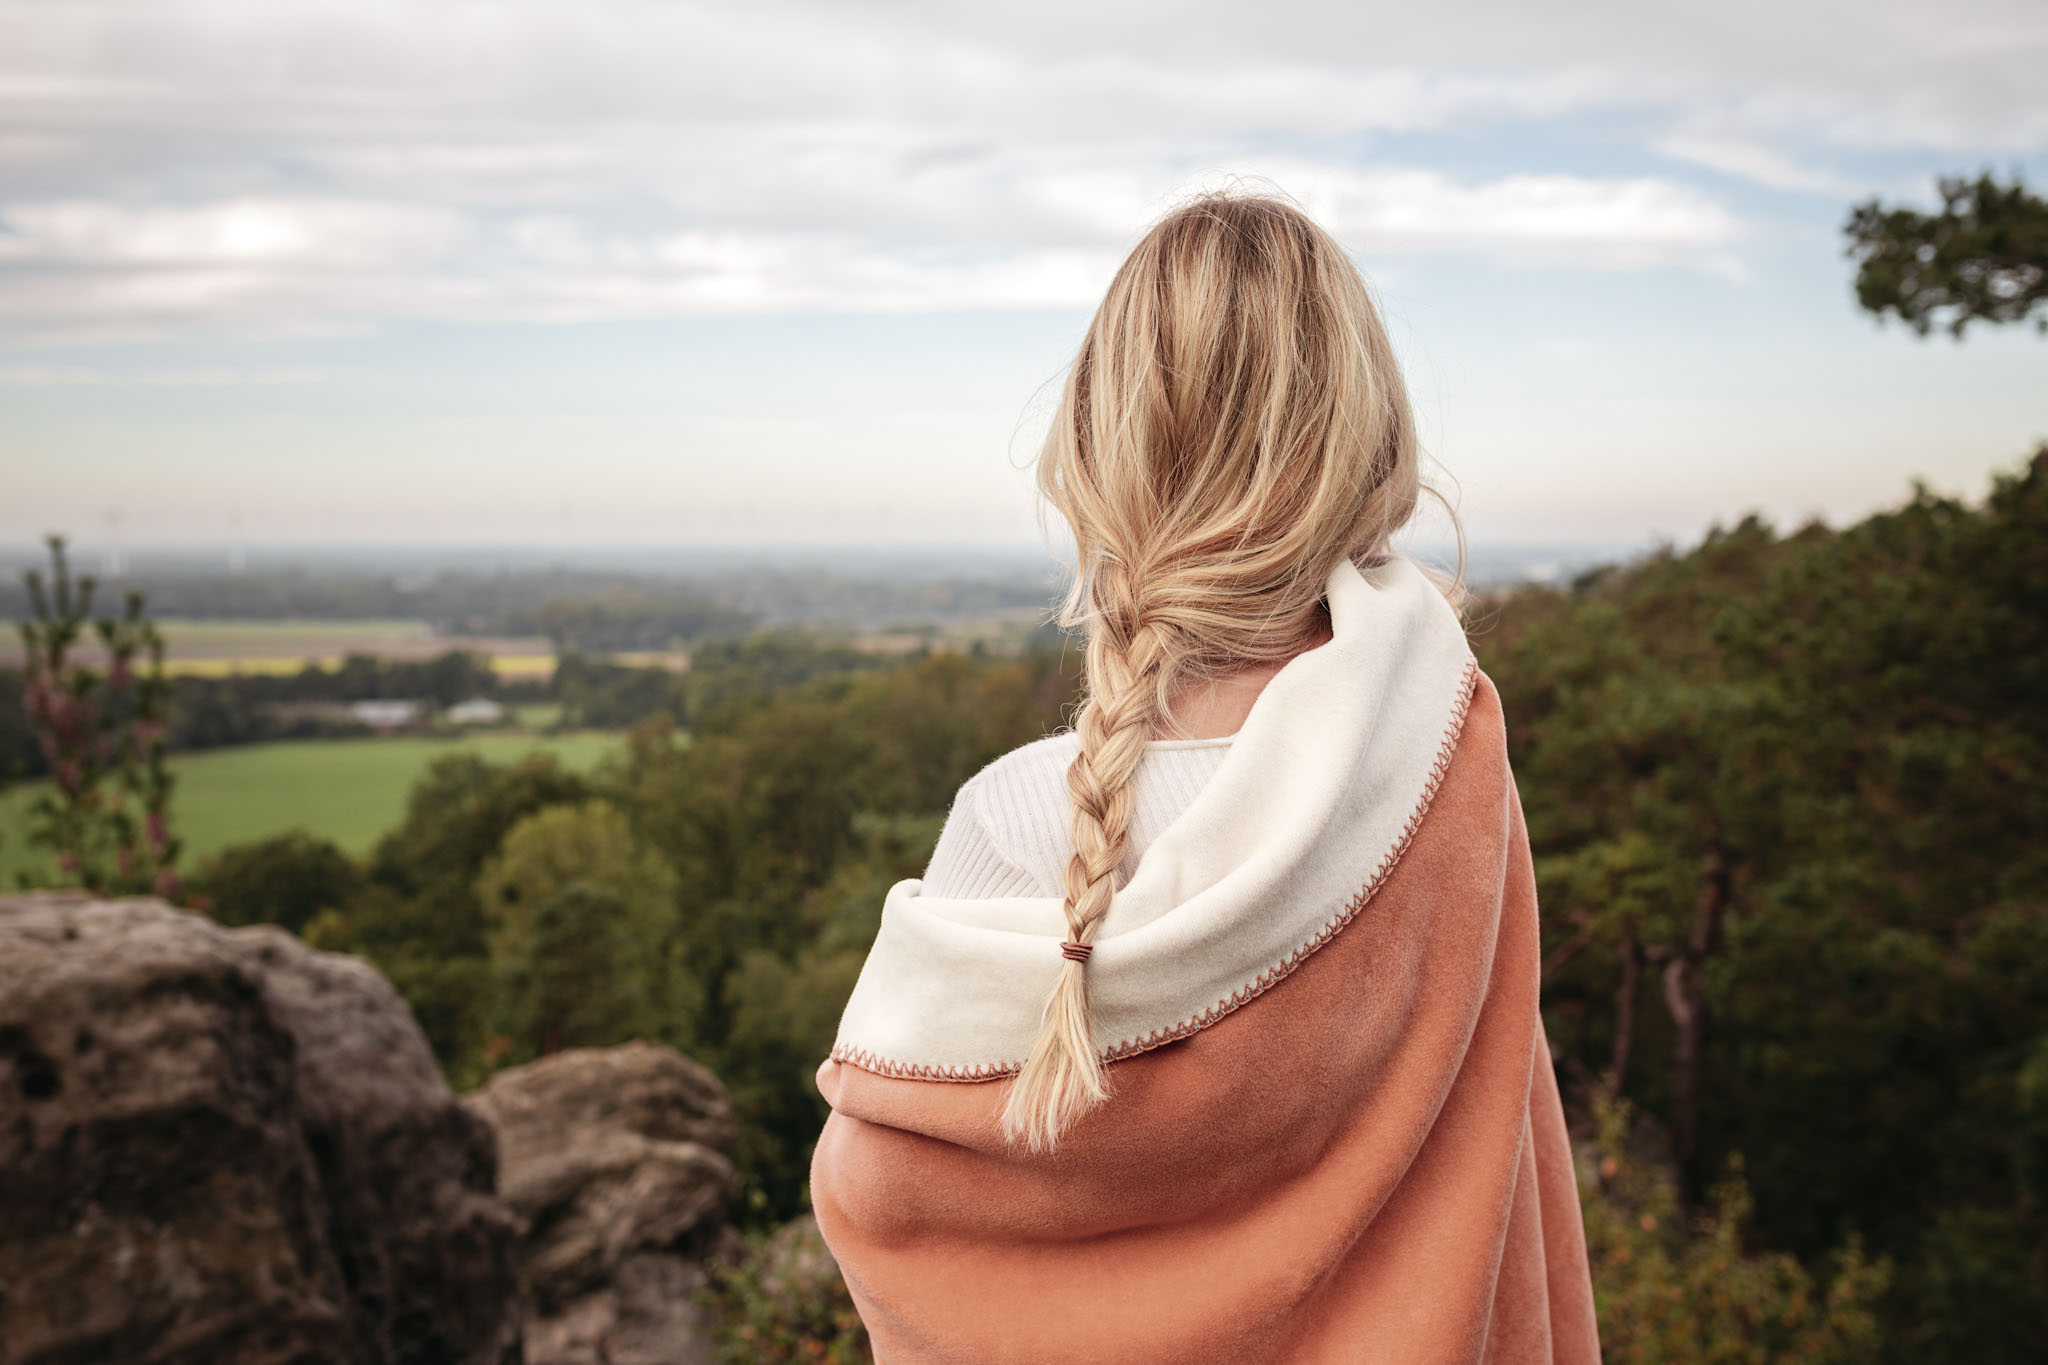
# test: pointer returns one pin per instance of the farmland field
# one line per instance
(217, 648)
(347, 790)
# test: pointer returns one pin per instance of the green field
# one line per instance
(347, 790)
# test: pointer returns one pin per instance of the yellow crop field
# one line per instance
(221, 648)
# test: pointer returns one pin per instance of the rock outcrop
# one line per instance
(615, 1162)
(221, 1146)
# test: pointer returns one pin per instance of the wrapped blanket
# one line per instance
(1333, 1132)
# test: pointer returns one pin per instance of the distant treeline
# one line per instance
(595, 693)
(579, 610)
(212, 712)
(598, 694)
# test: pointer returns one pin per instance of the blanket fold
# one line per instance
(1334, 1132)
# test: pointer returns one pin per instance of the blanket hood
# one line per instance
(1319, 795)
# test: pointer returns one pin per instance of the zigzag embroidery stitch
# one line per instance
(1259, 985)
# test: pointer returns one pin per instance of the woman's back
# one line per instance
(1225, 1051)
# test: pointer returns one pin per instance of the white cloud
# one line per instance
(1004, 232)
(317, 164)
(328, 234)
(1561, 220)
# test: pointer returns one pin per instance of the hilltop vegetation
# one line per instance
(1787, 797)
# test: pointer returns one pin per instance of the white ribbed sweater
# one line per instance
(1009, 832)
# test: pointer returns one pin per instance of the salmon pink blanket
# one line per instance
(1333, 1131)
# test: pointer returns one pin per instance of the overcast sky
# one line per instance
(659, 272)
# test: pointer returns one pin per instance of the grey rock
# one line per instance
(615, 1162)
(222, 1146)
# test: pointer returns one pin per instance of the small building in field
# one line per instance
(388, 715)
(476, 711)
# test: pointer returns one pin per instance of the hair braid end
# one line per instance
(1063, 1078)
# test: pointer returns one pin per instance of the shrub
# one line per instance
(782, 1299)
(1662, 1294)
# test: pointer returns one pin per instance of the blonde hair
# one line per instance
(1234, 426)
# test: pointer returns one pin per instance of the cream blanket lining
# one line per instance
(1320, 792)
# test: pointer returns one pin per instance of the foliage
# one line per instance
(419, 917)
(1671, 1288)
(582, 934)
(600, 694)
(1982, 258)
(285, 880)
(725, 673)
(626, 617)
(106, 813)
(1785, 796)
(783, 1011)
(781, 1299)
(21, 755)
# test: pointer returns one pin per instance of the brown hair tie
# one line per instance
(1076, 952)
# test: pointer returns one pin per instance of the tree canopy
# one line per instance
(1982, 257)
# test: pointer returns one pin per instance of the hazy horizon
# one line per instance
(1486, 561)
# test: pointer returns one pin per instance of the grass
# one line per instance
(537, 715)
(347, 790)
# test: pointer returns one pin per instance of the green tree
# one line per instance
(606, 696)
(583, 935)
(784, 1011)
(1983, 257)
(418, 917)
(286, 881)
(106, 815)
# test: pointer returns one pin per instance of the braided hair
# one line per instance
(1234, 425)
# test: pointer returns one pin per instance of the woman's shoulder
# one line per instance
(1020, 796)
(1007, 826)
(1027, 767)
